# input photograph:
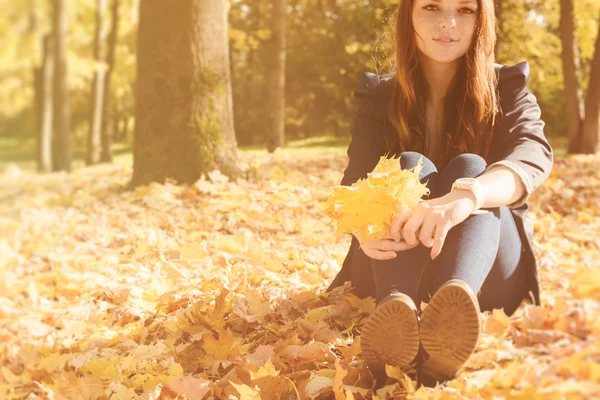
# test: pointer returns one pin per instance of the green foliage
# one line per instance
(329, 44)
(530, 31)
(23, 26)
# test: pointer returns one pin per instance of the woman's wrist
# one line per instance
(461, 195)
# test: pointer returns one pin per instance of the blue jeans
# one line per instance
(484, 250)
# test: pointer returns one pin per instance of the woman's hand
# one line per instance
(431, 220)
(383, 249)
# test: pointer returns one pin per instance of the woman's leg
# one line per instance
(484, 248)
(506, 284)
(405, 270)
(391, 333)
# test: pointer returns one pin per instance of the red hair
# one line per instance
(471, 103)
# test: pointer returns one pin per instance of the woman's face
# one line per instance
(444, 28)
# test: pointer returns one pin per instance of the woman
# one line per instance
(478, 131)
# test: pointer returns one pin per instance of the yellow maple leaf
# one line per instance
(245, 391)
(368, 206)
(100, 368)
(266, 370)
(226, 347)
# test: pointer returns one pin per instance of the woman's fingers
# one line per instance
(382, 255)
(427, 232)
(410, 228)
(392, 245)
(402, 246)
(440, 237)
(386, 249)
(398, 221)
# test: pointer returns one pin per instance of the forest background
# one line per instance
(328, 45)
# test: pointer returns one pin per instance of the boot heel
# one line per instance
(450, 330)
(391, 334)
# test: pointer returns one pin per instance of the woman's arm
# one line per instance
(527, 152)
(363, 151)
(525, 164)
(500, 186)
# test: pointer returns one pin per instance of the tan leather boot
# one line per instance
(391, 334)
(449, 329)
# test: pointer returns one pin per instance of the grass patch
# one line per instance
(23, 152)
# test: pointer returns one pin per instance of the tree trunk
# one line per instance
(183, 107)
(44, 106)
(95, 132)
(61, 143)
(591, 125)
(572, 89)
(107, 115)
(276, 77)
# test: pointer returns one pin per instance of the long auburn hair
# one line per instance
(470, 104)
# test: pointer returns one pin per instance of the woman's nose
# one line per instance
(448, 22)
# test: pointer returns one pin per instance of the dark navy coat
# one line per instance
(518, 143)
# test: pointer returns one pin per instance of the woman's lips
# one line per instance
(446, 42)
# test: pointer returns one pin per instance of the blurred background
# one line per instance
(68, 69)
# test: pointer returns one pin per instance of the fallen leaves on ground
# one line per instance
(216, 290)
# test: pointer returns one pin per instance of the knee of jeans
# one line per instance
(467, 165)
(410, 159)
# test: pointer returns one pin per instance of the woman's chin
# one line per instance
(444, 58)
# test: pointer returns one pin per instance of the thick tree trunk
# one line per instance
(107, 115)
(276, 77)
(44, 106)
(61, 141)
(183, 108)
(591, 126)
(95, 132)
(572, 89)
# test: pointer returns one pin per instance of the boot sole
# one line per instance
(390, 335)
(450, 330)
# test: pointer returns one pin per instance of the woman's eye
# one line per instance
(467, 10)
(430, 7)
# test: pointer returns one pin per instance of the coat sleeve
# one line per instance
(527, 151)
(364, 149)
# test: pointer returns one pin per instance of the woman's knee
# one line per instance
(410, 159)
(466, 165)
(429, 172)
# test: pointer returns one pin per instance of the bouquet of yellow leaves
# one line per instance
(369, 205)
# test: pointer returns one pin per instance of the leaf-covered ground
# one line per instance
(215, 290)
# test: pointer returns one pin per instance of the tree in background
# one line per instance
(183, 111)
(276, 77)
(583, 130)
(98, 86)
(328, 45)
(571, 69)
(590, 141)
(108, 120)
(43, 81)
(23, 27)
(61, 141)
(42, 88)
